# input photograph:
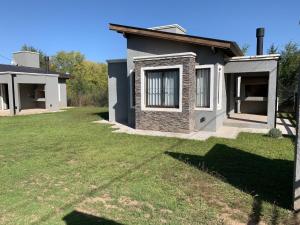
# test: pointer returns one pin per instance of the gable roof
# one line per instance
(26, 69)
(230, 47)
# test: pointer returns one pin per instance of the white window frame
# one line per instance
(220, 86)
(130, 89)
(211, 97)
(143, 89)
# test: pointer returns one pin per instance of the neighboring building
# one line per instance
(171, 81)
(25, 85)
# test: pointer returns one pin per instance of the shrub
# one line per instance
(275, 133)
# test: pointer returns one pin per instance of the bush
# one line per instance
(275, 133)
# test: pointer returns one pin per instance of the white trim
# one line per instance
(26, 52)
(211, 97)
(143, 106)
(116, 60)
(59, 96)
(130, 89)
(168, 26)
(1, 97)
(165, 56)
(220, 86)
(34, 74)
(255, 57)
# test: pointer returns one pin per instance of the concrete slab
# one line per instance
(223, 132)
(5, 112)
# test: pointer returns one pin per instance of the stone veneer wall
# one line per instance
(162, 120)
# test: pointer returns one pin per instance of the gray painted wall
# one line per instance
(143, 46)
(63, 103)
(118, 97)
(51, 89)
(269, 66)
(6, 79)
(26, 58)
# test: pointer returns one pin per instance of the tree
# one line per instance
(66, 62)
(245, 48)
(289, 68)
(33, 49)
(88, 82)
(273, 49)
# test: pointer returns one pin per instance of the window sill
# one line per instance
(161, 109)
(204, 109)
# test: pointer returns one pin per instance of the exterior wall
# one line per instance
(51, 89)
(26, 58)
(269, 66)
(51, 92)
(6, 79)
(118, 96)
(166, 120)
(143, 46)
(62, 92)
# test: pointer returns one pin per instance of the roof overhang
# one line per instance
(230, 47)
(254, 58)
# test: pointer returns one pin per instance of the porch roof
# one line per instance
(249, 64)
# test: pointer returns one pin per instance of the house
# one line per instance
(25, 86)
(175, 82)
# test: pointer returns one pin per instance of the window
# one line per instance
(219, 93)
(162, 88)
(132, 89)
(204, 87)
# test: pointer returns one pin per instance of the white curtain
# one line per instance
(203, 88)
(171, 88)
(163, 88)
(154, 82)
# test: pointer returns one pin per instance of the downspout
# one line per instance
(276, 92)
(13, 91)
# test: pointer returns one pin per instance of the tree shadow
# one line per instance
(269, 179)
(80, 218)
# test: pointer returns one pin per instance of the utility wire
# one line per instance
(5, 57)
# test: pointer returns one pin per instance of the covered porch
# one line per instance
(251, 90)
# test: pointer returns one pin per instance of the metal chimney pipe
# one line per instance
(47, 63)
(260, 33)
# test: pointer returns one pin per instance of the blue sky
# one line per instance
(54, 25)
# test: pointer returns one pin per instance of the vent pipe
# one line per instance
(47, 63)
(260, 33)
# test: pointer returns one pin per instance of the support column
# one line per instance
(238, 93)
(1, 97)
(17, 96)
(296, 193)
(272, 98)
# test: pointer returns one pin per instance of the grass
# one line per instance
(63, 169)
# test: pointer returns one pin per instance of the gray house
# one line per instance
(174, 82)
(25, 86)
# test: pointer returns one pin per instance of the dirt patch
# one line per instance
(126, 201)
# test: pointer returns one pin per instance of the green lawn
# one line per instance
(60, 168)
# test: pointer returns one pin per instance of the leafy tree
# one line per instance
(33, 49)
(289, 69)
(245, 48)
(273, 49)
(66, 62)
(88, 82)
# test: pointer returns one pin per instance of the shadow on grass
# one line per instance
(267, 179)
(80, 218)
(102, 115)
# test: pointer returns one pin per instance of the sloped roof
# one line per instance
(230, 47)
(25, 69)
